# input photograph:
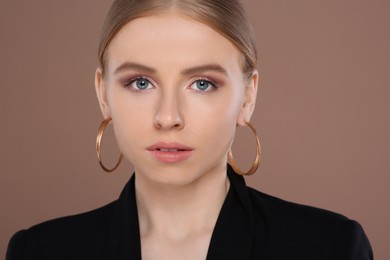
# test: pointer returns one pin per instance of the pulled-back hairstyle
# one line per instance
(227, 17)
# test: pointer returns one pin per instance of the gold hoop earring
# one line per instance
(98, 143)
(255, 164)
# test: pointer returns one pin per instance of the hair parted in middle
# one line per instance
(226, 17)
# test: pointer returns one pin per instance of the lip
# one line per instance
(170, 152)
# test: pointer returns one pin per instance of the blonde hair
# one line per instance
(227, 17)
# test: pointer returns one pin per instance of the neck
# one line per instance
(179, 212)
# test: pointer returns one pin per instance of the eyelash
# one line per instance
(133, 80)
(213, 85)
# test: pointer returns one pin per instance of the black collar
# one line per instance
(232, 237)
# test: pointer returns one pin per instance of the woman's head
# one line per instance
(175, 87)
(227, 17)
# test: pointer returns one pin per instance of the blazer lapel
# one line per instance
(123, 240)
(233, 233)
(232, 237)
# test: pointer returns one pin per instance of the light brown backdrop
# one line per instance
(322, 112)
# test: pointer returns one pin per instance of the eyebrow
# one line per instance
(193, 70)
(204, 68)
(134, 66)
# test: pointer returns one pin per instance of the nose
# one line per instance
(168, 115)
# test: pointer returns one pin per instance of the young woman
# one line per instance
(175, 80)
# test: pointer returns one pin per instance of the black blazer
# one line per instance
(251, 225)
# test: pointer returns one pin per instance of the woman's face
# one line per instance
(175, 90)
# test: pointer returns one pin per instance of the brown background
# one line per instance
(322, 112)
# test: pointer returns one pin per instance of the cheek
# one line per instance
(131, 117)
(215, 118)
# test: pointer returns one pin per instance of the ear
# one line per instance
(249, 102)
(101, 92)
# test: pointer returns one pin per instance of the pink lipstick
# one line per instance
(170, 152)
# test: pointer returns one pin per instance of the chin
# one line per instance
(173, 174)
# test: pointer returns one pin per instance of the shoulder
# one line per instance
(55, 237)
(282, 211)
(308, 230)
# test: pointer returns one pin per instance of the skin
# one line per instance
(178, 203)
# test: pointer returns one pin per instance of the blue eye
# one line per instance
(140, 84)
(203, 86)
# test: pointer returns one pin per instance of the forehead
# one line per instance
(171, 39)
